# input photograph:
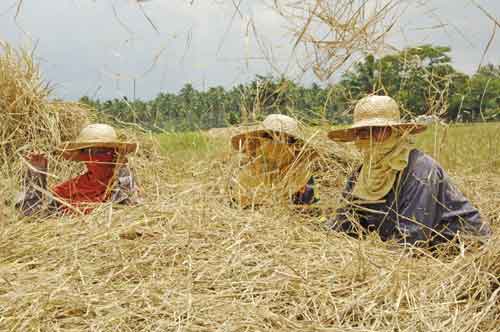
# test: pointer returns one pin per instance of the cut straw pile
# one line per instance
(187, 261)
(30, 119)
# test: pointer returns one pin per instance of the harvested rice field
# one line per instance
(186, 260)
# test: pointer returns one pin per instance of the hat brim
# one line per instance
(237, 141)
(351, 133)
(308, 152)
(122, 147)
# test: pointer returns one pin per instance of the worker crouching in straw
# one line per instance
(108, 177)
(278, 164)
(399, 191)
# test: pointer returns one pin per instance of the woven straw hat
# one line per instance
(273, 124)
(375, 111)
(98, 135)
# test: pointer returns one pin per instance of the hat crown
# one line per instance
(376, 108)
(97, 132)
(281, 123)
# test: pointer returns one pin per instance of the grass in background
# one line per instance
(468, 148)
(184, 144)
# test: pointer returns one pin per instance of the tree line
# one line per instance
(422, 79)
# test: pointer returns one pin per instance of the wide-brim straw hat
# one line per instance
(273, 124)
(375, 111)
(97, 135)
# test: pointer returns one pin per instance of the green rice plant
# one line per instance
(184, 143)
(465, 148)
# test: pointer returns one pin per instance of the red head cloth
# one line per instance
(91, 187)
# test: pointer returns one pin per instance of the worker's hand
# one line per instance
(38, 161)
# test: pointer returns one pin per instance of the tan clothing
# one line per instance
(274, 172)
(381, 164)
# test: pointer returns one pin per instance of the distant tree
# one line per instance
(482, 96)
(421, 79)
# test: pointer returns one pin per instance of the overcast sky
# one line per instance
(98, 47)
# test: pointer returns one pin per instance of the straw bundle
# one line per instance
(30, 119)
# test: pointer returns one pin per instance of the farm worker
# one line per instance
(278, 163)
(398, 191)
(108, 176)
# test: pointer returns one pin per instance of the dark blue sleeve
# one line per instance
(419, 212)
(432, 208)
(458, 215)
(306, 195)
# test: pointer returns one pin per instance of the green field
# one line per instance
(464, 148)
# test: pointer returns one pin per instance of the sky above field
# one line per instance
(100, 47)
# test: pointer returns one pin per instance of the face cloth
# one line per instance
(91, 187)
(274, 166)
(382, 161)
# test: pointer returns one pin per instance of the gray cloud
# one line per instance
(86, 49)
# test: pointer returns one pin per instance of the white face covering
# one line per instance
(382, 161)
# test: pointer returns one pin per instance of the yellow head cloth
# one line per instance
(275, 170)
(382, 161)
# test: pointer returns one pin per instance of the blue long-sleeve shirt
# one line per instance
(423, 205)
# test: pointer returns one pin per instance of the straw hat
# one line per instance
(375, 111)
(98, 135)
(273, 124)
